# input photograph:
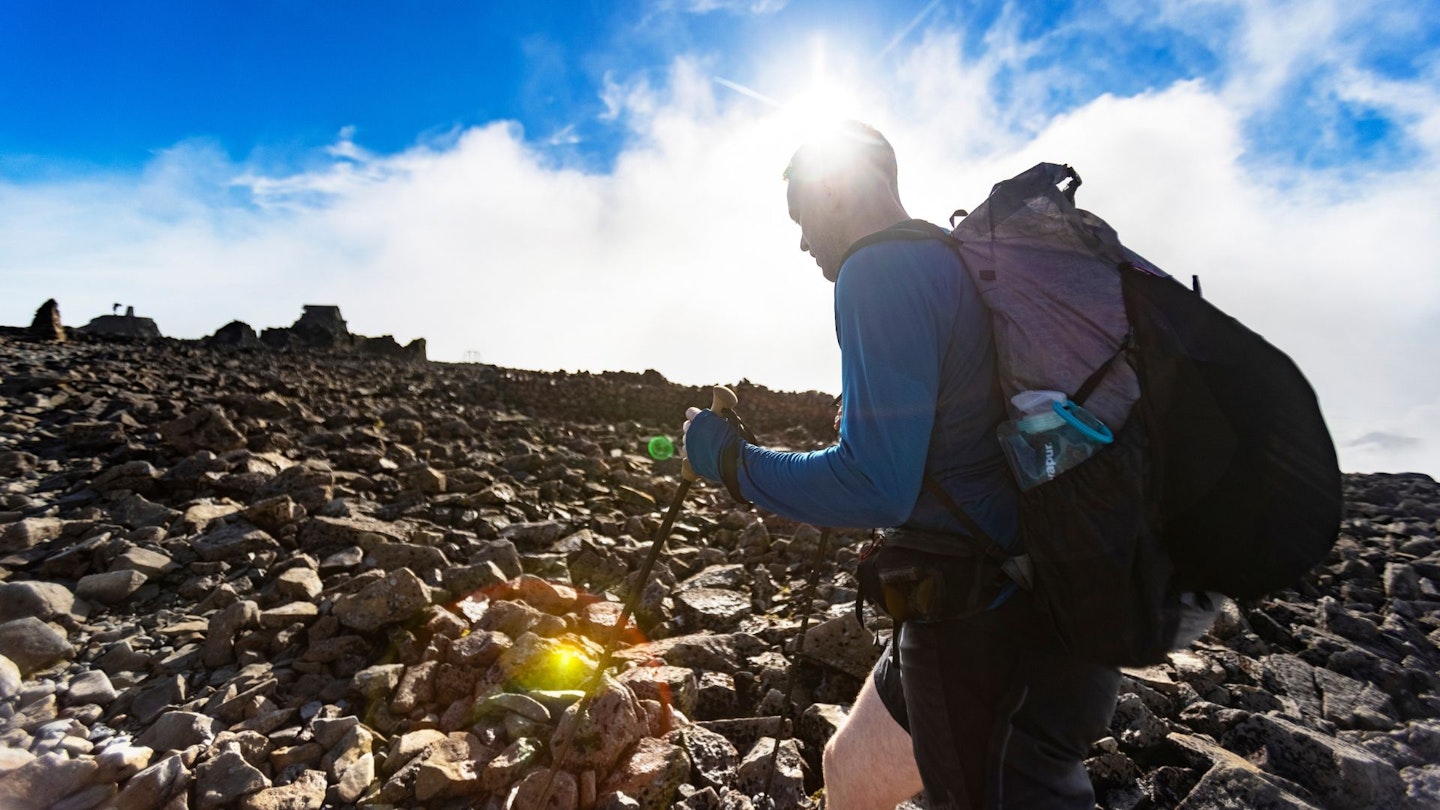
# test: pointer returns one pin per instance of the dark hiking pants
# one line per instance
(996, 720)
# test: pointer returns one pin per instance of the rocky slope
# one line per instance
(261, 580)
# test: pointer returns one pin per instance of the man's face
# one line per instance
(815, 208)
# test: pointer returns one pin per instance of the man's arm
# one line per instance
(893, 310)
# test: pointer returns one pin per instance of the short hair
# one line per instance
(851, 148)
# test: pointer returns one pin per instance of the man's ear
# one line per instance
(832, 193)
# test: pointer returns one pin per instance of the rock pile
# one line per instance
(295, 580)
(322, 328)
(46, 325)
(128, 325)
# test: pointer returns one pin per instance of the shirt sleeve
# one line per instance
(892, 321)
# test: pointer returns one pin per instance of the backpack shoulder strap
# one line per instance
(909, 230)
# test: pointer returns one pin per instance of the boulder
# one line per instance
(235, 335)
(46, 324)
(109, 588)
(207, 428)
(128, 325)
(40, 600)
(32, 644)
(650, 775)
(384, 602)
(1340, 773)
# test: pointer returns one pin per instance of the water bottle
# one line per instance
(1052, 435)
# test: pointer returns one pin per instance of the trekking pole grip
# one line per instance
(721, 399)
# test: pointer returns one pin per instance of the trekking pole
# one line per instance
(808, 607)
(721, 399)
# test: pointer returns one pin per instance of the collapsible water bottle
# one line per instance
(1052, 435)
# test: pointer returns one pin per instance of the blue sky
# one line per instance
(102, 85)
(573, 185)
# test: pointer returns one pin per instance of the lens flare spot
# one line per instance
(661, 448)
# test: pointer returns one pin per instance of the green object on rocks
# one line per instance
(661, 448)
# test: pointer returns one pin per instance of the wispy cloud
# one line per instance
(734, 6)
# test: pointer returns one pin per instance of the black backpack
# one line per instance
(1222, 478)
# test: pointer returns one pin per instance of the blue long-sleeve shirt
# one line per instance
(919, 394)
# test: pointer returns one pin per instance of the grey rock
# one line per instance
(1135, 725)
(150, 563)
(205, 429)
(406, 747)
(335, 533)
(1422, 785)
(510, 764)
(713, 758)
(715, 652)
(390, 556)
(671, 686)
(478, 649)
(299, 582)
(135, 512)
(46, 324)
(453, 769)
(1353, 704)
(1340, 773)
(111, 587)
(132, 475)
(87, 798)
(233, 542)
(787, 788)
(651, 774)
(612, 722)
(223, 626)
(711, 608)
(157, 696)
(536, 536)
(40, 600)
(477, 578)
(376, 683)
(841, 643)
(10, 679)
(90, 687)
(500, 704)
(1401, 581)
(819, 723)
(225, 779)
(307, 792)
(564, 791)
(393, 599)
(1232, 781)
(176, 731)
(728, 577)
(42, 781)
(156, 785)
(33, 645)
(119, 761)
(29, 533)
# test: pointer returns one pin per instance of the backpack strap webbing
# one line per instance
(910, 229)
(1015, 566)
(1093, 381)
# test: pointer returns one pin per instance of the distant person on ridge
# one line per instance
(972, 705)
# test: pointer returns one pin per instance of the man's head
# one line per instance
(842, 187)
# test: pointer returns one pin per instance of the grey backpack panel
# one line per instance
(1056, 305)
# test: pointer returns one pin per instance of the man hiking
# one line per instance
(970, 702)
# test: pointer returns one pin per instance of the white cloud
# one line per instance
(681, 257)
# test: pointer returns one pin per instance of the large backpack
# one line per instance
(1222, 476)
